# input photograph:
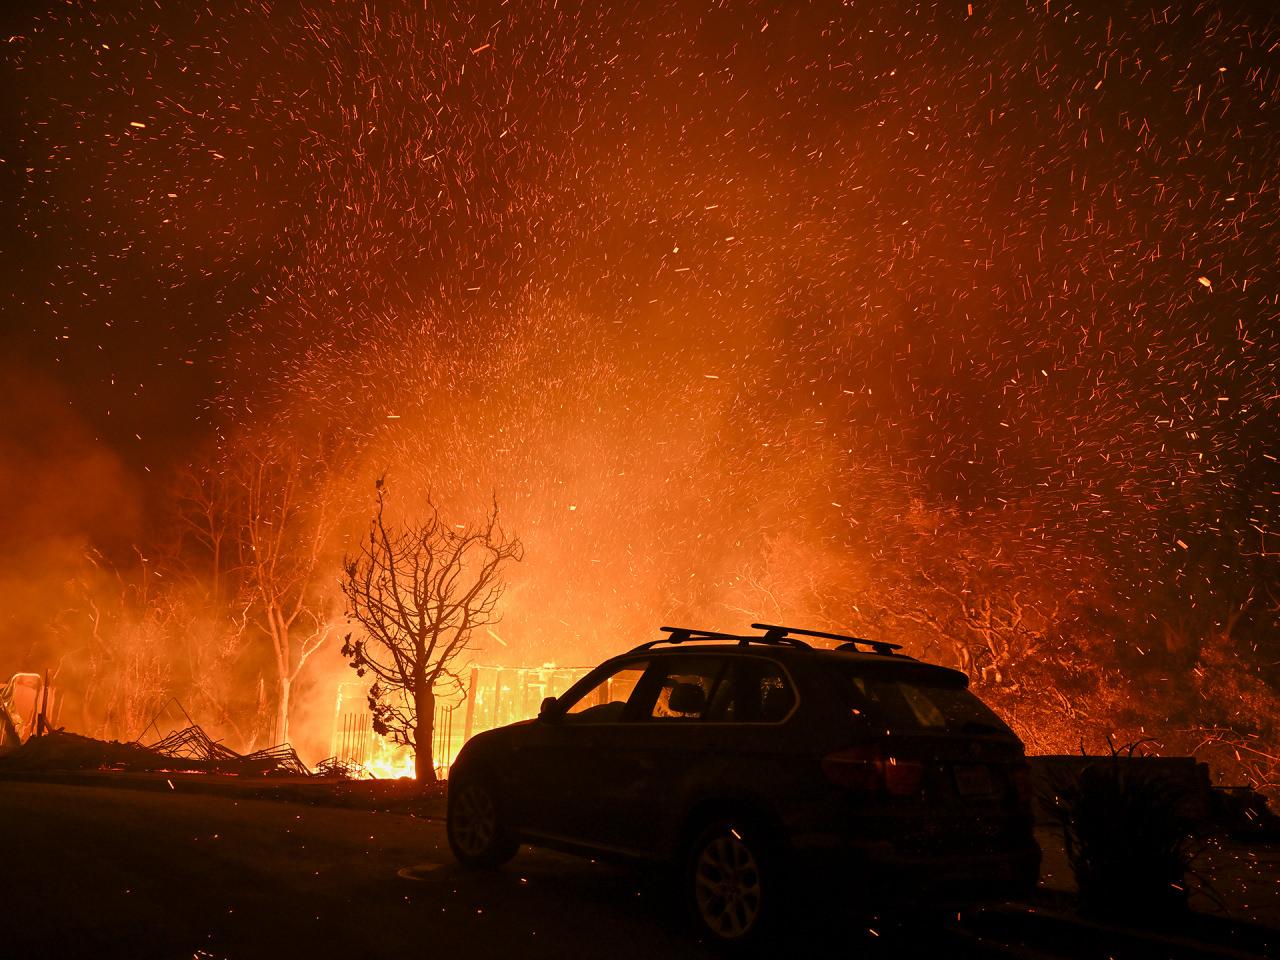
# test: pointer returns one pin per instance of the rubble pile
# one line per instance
(187, 750)
(338, 768)
(59, 750)
(192, 743)
(280, 759)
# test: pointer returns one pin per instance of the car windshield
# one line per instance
(606, 701)
(903, 704)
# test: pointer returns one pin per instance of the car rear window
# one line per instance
(911, 703)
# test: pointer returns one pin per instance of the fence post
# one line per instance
(471, 705)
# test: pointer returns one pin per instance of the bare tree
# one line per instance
(284, 526)
(418, 591)
(215, 634)
(970, 589)
(204, 497)
(127, 653)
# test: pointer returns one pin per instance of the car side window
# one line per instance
(606, 702)
(683, 688)
(755, 690)
(777, 696)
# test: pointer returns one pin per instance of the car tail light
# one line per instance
(903, 777)
(868, 769)
(857, 768)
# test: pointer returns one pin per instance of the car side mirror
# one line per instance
(549, 712)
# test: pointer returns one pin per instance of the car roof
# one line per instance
(827, 658)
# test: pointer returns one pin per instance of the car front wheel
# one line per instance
(477, 835)
(727, 883)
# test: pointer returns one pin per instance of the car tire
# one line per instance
(477, 835)
(729, 882)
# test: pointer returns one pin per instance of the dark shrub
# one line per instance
(1128, 843)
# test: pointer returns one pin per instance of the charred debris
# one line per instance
(186, 750)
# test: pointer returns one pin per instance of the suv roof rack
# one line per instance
(687, 634)
(774, 633)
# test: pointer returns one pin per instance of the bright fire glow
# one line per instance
(389, 761)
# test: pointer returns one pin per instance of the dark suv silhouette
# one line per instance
(749, 762)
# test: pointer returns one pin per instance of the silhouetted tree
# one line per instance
(418, 591)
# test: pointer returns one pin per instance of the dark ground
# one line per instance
(103, 872)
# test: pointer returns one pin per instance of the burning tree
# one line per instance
(419, 590)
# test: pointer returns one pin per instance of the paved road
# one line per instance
(105, 872)
(98, 872)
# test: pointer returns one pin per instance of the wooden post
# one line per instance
(41, 722)
(471, 705)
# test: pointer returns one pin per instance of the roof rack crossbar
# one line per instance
(776, 632)
(689, 633)
(686, 634)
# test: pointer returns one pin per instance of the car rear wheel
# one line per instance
(727, 883)
(477, 835)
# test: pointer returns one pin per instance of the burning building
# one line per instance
(494, 696)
